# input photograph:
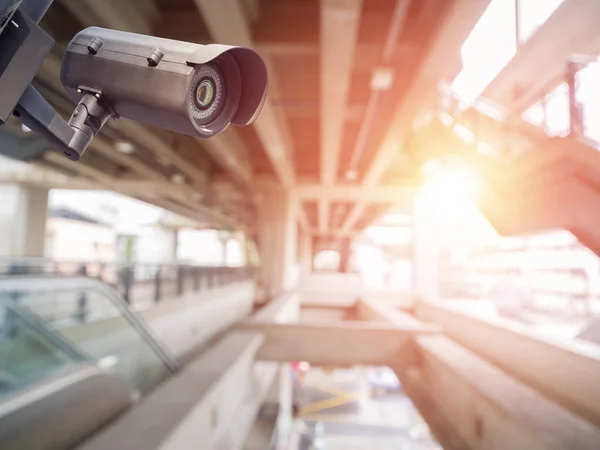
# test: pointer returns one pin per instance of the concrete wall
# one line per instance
(331, 289)
(23, 212)
(61, 411)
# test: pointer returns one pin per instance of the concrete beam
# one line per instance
(230, 152)
(282, 309)
(227, 25)
(566, 372)
(164, 152)
(333, 344)
(339, 32)
(110, 13)
(471, 404)
(353, 217)
(339, 23)
(356, 193)
(442, 62)
(372, 308)
(100, 180)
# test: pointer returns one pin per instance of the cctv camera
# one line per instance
(189, 88)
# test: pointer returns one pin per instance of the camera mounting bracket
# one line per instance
(70, 138)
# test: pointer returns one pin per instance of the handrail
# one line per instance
(32, 284)
(34, 322)
(131, 279)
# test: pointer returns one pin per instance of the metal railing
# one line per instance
(106, 331)
(562, 291)
(136, 282)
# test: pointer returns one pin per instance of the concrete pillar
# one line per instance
(305, 252)
(425, 250)
(23, 214)
(175, 245)
(277, 235)
(278, 403)
(224, 254)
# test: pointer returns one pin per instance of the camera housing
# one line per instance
(189, 88)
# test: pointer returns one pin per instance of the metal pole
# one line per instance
(180, 274)
(157, 286)
(127, 280)
(574, 109)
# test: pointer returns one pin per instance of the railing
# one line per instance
(561, 291)
(136, 282)
(43, 328)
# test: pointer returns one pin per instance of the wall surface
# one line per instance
(23, 212)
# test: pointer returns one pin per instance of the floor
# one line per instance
(337, 410)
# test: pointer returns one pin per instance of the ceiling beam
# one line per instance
(339, 32)
(343, 343)
(157, 195)
(354, 193)
(442, 62)
(227, 24)
(124, 16)
(339, 22)
(230, 152)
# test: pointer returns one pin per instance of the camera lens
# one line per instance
(205, 94)
(214, 94)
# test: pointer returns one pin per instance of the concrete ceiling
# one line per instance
(321, 57)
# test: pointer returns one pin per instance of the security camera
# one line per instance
(189, 88)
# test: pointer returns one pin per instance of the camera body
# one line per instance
(189, 88)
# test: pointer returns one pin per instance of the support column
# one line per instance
(224, 238)
(305, 252)
(277, 235)
(278, 403)
(425, 250)
(23, 214)
(175, 244)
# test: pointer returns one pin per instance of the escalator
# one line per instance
(52, 330)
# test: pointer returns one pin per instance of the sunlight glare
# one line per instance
(450, 187)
